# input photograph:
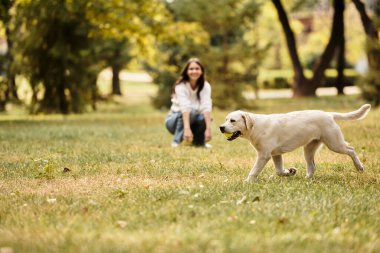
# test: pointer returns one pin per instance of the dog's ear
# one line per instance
(248, 119)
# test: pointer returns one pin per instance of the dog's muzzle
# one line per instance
(233, 136)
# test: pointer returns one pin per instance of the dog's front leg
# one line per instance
(262, 159)
(277, 160)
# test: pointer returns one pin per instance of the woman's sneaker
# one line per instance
(207, 145)
(175, 145)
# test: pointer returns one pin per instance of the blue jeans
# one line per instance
(174, 124)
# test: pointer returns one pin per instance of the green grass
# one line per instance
(128, 191)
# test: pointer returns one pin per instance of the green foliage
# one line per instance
(5, 59)
(225, 42)
(370, 84)
(5, 5)
(230, 96)
(61, 46)
(165, 81)
(43, 169)
(370, 87)
(54, 49)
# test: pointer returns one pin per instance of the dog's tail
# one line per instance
(358, 114)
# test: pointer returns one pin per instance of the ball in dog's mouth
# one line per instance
(228, 135)
(232, 136)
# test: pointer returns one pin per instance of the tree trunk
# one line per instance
(299, 78)
(34, 103)
(11, 91)
(63, 103)
(115, 79)
(94, 93)
(341, 49)
(306, 88)
(335, 37)
(339, 82)
(370, 30)
(225, 58)
(373, 55)
(302, 86)
(368, 25)
(54, 100)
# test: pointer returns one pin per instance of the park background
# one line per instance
(86, 163)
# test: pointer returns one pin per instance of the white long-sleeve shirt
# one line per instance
(185, 98)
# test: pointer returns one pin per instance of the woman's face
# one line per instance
(194, 71)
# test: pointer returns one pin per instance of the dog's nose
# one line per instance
(221, 129)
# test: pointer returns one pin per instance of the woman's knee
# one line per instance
(169, 127)
(173, 121)
(199, 122)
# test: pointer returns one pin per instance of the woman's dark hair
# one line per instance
(184, 77)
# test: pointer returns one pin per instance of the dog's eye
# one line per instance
(232, 120)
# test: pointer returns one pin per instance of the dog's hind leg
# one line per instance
(277, 160)
(334, 141)
(309, 152)
(355, 159)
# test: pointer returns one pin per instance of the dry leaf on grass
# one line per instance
(242, 200)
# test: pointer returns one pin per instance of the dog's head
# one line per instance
(237, 123)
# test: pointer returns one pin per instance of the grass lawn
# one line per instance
(125, 189)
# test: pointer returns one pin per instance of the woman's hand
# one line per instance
(208, 135)
(188, 135)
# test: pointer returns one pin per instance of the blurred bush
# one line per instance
(283, 78)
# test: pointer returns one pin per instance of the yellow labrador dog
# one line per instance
(275, 134)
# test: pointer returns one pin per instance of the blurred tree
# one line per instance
(116, 54)
(131, 27)
(371, 86)
(9, 91)
(62, 45)
(55, 53)
(340, 62)
(304, 86)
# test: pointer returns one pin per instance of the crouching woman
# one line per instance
(189, 118)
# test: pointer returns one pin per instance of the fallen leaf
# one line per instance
(232, 218)
(183, 192)
(283, 220)
(51, 201)
(92, 202)
(242, 200)
(257, 198)
(84, 210)
(121, 223)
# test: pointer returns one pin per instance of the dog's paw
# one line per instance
(309, 176)
(292, 171)
(287, 172)
(248, 180)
